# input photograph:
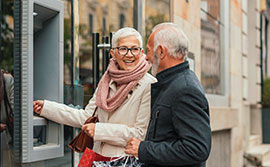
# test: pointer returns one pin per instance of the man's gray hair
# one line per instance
(173, 38)
(125, 32)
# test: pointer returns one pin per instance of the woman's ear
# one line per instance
(113, 54)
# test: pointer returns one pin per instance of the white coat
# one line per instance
(114, 128)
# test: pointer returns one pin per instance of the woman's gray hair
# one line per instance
(173, 38)
(125, 32)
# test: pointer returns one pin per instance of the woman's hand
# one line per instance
(38, 106)
(89, 129)
(3, 127)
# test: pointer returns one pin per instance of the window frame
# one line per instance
(223, 99)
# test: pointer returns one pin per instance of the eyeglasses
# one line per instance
(122, 50)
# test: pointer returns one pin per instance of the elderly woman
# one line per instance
(122, 98)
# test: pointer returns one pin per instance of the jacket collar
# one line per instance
(165, 74)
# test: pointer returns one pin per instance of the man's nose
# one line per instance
(146, 58)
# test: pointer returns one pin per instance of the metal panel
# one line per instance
(17, 79)
(42, 74)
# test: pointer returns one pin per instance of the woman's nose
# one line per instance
(129, 54)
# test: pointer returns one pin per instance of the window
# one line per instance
(91, 26)
(122, 20)
(214, 50)
(6, 49)
(210, 46)
(155, 12)
(101, 17)
(104, 26)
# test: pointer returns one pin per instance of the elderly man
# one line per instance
(179, 133)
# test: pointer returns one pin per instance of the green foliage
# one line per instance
(85, 43)
(6, 36)
(67, 42)
(152, 21)
(266, 93)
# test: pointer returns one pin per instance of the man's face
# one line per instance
(150, 48)
(128, 61)
(152, 56)
(155, 65)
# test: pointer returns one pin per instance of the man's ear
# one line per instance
(113, 54)
(161, 52)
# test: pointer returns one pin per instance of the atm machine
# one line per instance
(38, 70)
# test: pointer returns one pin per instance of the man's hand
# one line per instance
(37, 106)
(132, 146)
(89, 129)
(3, 127)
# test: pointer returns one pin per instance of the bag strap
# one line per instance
(94, 112)
(93, 115)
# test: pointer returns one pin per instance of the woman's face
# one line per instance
(122, 53)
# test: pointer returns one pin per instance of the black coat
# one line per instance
(179, 132)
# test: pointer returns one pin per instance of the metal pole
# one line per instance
(72, 69)
(266, 47)
(72, 44)
(105, 58)
(135, 14)
(95, 60)
(111, 34)
(1, 22)
(107, 53)
(261, 56)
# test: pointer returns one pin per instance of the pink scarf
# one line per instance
(126, 79)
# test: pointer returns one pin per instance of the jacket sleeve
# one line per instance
(9, 84)
(119, 134)
(190, 120)
(64, 114)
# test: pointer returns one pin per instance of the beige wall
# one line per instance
(232, 122)
(236, 80)
(187, 15)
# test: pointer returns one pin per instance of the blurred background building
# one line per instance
(229, 52)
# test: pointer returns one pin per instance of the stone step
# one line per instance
(266, 160)
(254, 140)
(260, 153)
(266, 164)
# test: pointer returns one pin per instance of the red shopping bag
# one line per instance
(89, 156)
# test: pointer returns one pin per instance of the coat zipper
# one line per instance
(155, 125)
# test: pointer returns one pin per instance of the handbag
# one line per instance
(93, 159)
(82, 140)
